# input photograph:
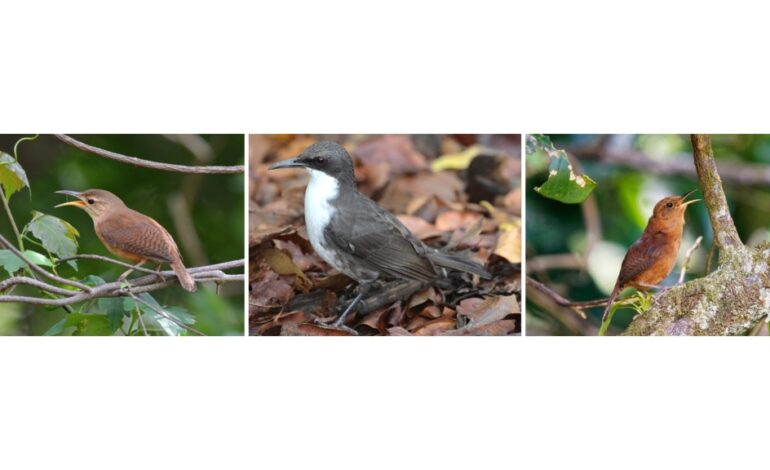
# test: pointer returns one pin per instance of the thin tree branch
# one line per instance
(211, 273)
(725, 233)
(678, 164)
(687, 257)
(40, 270)
(148, 163)
(17, 280)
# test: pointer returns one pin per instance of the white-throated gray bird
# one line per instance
(355, 235)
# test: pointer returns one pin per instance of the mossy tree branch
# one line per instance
(734, 298)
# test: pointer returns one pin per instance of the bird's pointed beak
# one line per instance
(75, 194)
(684, 196)
(292, 163)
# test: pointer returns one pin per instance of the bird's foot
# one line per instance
(335, 326)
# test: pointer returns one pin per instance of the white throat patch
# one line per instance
(318, 211)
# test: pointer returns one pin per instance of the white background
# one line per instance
(332, 66)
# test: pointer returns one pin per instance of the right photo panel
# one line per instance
(632, 234)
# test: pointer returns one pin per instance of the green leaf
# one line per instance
(38, 258)
(113, 307)
(57, 235)
(563, 183)
(94, 281)
(12, 175)
(10, 262)
(89, 324)
(181, 314)
(56, 329)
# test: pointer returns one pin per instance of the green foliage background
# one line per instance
(217, 213)
(625, 197)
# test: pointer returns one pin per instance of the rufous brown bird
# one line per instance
(651, 258)
(130, 234)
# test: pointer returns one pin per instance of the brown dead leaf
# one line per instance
(282, 263)
(509, 245)
(436, 327)
(419, 228)
(271, 291)
(452, 220)
(395, 150)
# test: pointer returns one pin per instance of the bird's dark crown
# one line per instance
(326, 156)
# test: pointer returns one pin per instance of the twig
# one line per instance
(211, 273)
(677, 164)
(148, 163)
(576, 307)
(108, 260)
(40, 270)
(16, 280)
(687, 256)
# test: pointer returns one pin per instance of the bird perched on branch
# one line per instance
(358, 237)
(651, 258)
(130, 234)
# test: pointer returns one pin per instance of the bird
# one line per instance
(651, 258)
(358, 237)
(129, 234)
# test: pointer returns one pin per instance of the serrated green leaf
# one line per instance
(10, 262)
(58, 236)
(13, 178)
(563, 183)
(89, 324)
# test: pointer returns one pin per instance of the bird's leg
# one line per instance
(124, 276)
(161, 277)
(363, 290)
(661, 290)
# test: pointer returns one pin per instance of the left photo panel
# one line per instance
(122, 235)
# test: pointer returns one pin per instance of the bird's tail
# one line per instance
(458, 263)
(184, 277)
(614, 295)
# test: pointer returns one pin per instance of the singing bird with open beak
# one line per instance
(651, 258)
(130, 234)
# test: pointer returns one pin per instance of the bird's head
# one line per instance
(96, 202)
(672, 207)
(327, 157)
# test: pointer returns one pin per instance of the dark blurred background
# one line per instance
(203, 212)
(577, 249)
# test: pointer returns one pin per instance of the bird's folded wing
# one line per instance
(372, 237)
(640, 257)
(143, 238)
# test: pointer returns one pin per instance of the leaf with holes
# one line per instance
(57, 235)
(13, 178)
(563, 183)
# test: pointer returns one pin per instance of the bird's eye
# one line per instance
(90, 201)
(320, 160)
(670, 204)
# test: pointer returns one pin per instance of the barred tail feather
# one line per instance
(187, 282)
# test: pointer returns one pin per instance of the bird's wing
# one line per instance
(640, 257)
(380, 242)
(140, 236)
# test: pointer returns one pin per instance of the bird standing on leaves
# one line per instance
(129, 234)
(358, 237)
(651, 258)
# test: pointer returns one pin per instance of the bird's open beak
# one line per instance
(684, 196)
(75, 194)
(293, 163)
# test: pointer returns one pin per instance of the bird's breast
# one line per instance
(321, 191)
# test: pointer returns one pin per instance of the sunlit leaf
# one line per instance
(564, 184)
(456, 161)
(58, 236)
(12, 175)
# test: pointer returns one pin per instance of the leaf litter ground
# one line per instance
(457, 190)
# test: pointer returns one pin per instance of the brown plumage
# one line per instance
(130, 234)
(651, 258)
